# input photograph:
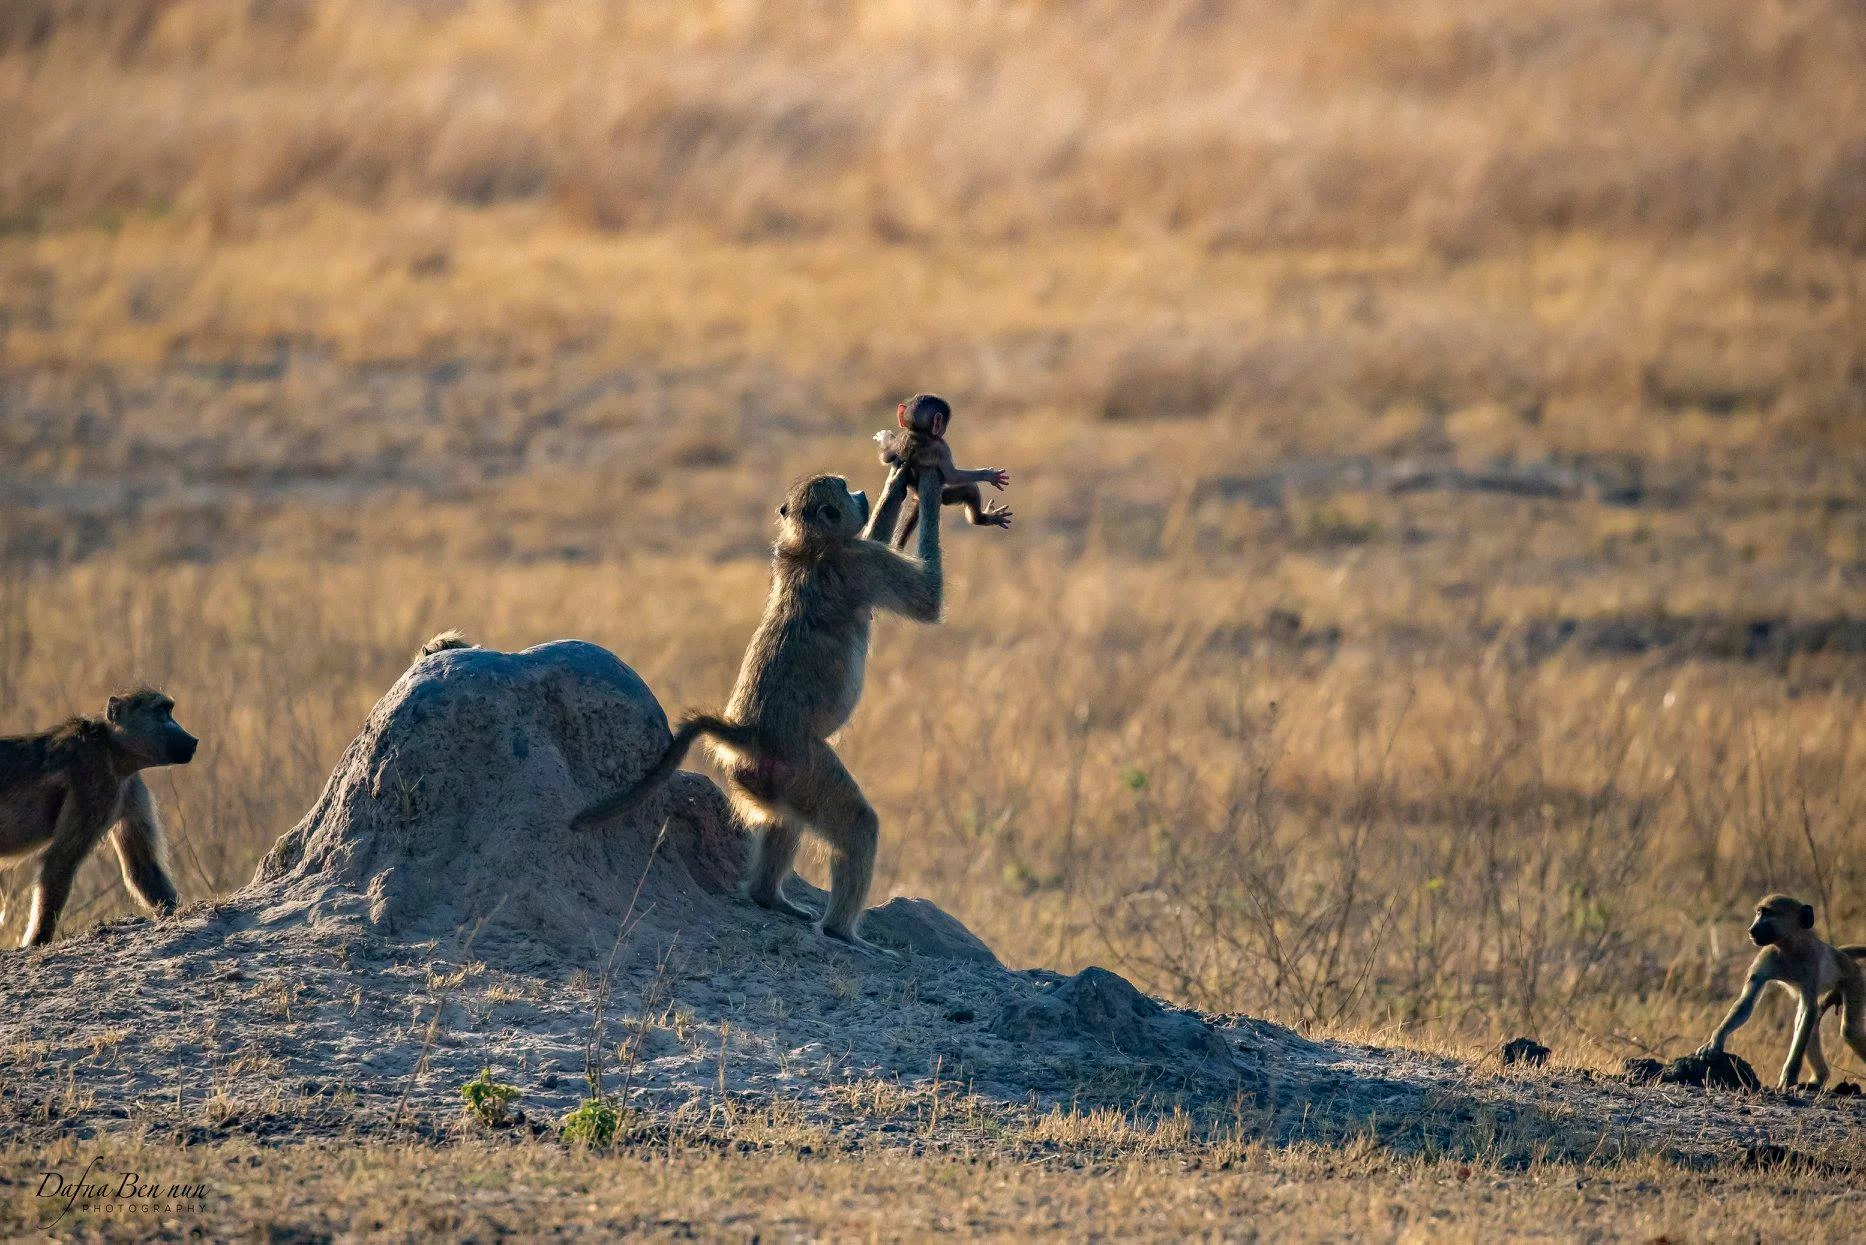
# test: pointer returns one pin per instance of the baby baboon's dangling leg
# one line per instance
(977, 512)
(910, 519)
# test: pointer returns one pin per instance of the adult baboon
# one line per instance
(800, 681)
(61, 789)
(1795, 958)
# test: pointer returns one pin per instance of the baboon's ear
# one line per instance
(115, 710)
(1807, 916)
(900, 416)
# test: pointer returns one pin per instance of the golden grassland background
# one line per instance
(1438, 433)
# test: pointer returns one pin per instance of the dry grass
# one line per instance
(326, 325)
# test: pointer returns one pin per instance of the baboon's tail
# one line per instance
(691, 728)
(441, 643)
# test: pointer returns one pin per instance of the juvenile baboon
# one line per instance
(62, 788)
(800, 681)
(919, 444)
(441, 643)
(1817, 974)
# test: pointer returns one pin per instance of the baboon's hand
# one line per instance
(1710, 1048)
(999, 479)
(998, 516)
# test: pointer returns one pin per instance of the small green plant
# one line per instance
(489, 1102)
(594, 1123)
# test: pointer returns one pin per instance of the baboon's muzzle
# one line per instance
(1762, 933)
(181, 749)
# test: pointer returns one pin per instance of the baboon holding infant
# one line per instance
(799, 682)
(61, 789)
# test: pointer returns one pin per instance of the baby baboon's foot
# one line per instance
(852, 939)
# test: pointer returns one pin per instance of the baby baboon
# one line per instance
(1797, 960)
(61, 789)
(799, 682)
(919, 444)
(441, 643)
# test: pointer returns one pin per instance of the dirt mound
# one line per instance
(451, 809)
(1097, 1006)
(449, 817)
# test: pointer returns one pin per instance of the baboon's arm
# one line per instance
(141, 851)
(909, 586)
(888, 509)
(1761, 973)
(970, 475)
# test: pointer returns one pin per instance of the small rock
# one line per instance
(1641, 1071)
(1846, 1089)
(1724, 1071)
(1525, 1050)
(965, 1015)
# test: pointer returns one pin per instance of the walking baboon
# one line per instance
(62, 788)
(800, 681)
(1817, 974)
(919, 444)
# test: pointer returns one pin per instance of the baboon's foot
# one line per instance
(777, 903)
(850, 938)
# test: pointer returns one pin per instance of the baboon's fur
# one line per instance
(1820, 977)
(441, 643)
(799, 682)
(61, 789)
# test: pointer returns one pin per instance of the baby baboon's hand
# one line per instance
(997, 516)
(999, 479)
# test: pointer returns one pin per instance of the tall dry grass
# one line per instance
(1109, 762)
(1326, 123)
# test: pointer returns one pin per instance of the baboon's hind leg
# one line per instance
(1817, 1062)
(836, 809)
(774, 851)
(1853, 1017)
